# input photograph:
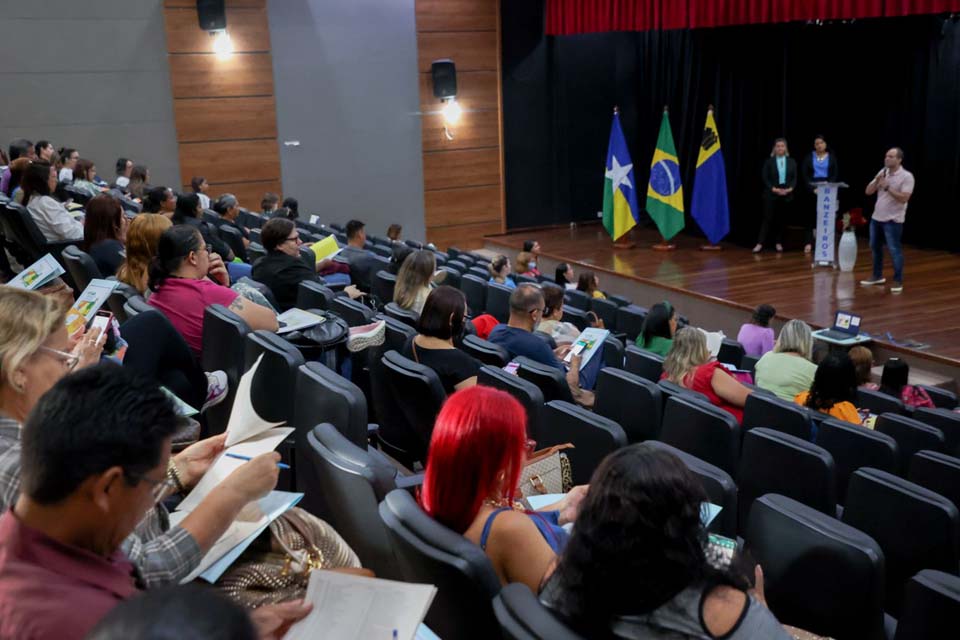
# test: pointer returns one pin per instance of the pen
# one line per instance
(248, 458)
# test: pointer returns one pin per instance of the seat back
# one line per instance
(498, 301)
(593, 436)
(422, 396)
(771, 412)
(474, 288)
(577, 299)
(552, 381)
(937, 472)
(749, 363)
(223, 348)
(775, 462)
(452, 277)
(878, 402)
(485, 351)
(631, 401)
(136, 305)
(574, 316)
(643, 363)
(255, 251)
(313, 295)
(947, 421)
(819, 573)
(911, 436)
(630, 320)
(273, 390)
(702, 430)
(324, 394)
(234, 239)
(480, 272)
(613, 352)
(719, 486)
(942, 398)
(853, 447)
(429, 553)
(606, 310)
(522, 617)
(916, 528)
(526, 392)
(731, 352)
(397, 335)
(406, 316)
(355, 313)
(81, 267)
(670, 389)
(931, 604)
(383, 285)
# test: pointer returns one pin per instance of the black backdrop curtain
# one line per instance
(865, 86)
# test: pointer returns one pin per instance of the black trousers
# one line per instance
(775, 212)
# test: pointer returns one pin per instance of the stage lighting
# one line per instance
(222, 46)
(451, 111)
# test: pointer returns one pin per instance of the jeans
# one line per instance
(889, 232)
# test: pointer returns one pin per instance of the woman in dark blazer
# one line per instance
(819, 166)
(779, 180)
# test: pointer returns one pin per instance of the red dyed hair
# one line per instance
(476, 452)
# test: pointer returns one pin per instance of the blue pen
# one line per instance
(248, 458)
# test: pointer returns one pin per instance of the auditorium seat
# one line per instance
(775, 462)
(355, 313)
(942, 398)
(255, 234)
(475, 290)
(731, 352)
(593, 436)
(878, 402)
(383, 286)
(819, 574)
(630, 321)
(931, 605)
(135, 305)
(631, 401)
(527, 393)
(382, 251)
(552, 381)
(430, 553)
(121, 294)
(265, 291)
(519, 278)
(618, 300)
(911, 436)
(719, 486)
(313, 295)
(498, 301)
(643, 363)
(397, 334)
(324, 395)
(916, 528)
(451, 277)
(222, 348)
(485, 351)
(612, 352)
(853, 447)
(420, 396)
(479, 271)
(80, 266)
(947, 421)
(702, 430)
(574, 316)
(749, 363)
(255, 251)
(234, 239)
(522, 617)
(577, 299)
(458, 265)
(406, 316)
(771, 412)
(937, 472)
(20, 229)
(606, 310)
(670, 389)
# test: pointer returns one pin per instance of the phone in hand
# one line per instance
(101, 321)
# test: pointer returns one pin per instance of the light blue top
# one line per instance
(507, 282)
(782, 169)
(820, 166)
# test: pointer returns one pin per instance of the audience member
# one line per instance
(527, 264)
(160, 200)
(500, 269)
(269, 203)
(293, 208)
(834, 388)
(394, 231)
(532, 246)
(589, 283)
(477, 452)
(188, 212)
(19, 148)
(44, 150)
(17, 170)
(139, 181)
(200, 186)
(862, 359)
(83, 173)
(562, 333)
(413, 280)
(756, 336)
(565, 277)
(229, 209)
(104, 233)
(893, 382)
(69, 157)
(143, 237)
(659, 326)
(787, 370)
(282, 269)
(638, 563)
(362, 262)
(689, 365)
(124, 169)
(52, 218)
(398, 254)
(95, 458)
(441, 322)
(185, 279)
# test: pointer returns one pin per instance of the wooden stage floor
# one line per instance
(927, 312)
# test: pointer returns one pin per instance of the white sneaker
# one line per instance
(870, 283)
(217, 388)
(897, 287)
(369, 335)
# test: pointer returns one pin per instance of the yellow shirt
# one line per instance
(599, 295)
(842, 410)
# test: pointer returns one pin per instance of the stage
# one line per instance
(922, 322)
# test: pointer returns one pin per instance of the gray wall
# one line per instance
(346, 83)
(92, 75)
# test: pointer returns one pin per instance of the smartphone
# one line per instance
(101, 321)
(720, 550)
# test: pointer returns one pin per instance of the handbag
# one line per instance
(277, 566)
(547, 471)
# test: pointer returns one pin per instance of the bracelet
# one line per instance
(174, 475)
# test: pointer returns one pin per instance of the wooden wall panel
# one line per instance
(466, 236)
(199, 75)
(456, 15)
(464, 206)
(230, 161)
(475, 129)
(248, 29)
(468, 168)
(207, 119)
(470, 50)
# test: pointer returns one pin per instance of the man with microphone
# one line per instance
(893, 186)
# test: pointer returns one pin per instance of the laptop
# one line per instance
(846, 325)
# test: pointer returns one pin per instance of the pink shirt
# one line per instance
(888, 208)
(52, 590)
(756, 340)
(183, 301)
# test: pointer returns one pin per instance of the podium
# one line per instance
(824, 242)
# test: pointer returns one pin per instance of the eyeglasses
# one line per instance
(295, 238)
(69, 360)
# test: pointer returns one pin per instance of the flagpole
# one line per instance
(709, 246)
(664, 244)
(623, 242)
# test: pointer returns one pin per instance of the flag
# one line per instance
(665, 192)
(619, 194)
(709, 206)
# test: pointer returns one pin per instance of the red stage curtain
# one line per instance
(566, 17)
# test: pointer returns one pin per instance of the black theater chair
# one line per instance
(406, 316)
(577, 299)
(522, 617)
(771, 412)
(383, 285)
(947, 421)
(485, 351)
(527, 393)
(474, 288)
(775, 462)
(355, 313)
(80, 266)
(853, 447)
(452, 277)
(731, 352)
(878, 402)
(397, 335)
(630, 321)
(643, 363)
(593, 436)
(931, 605)
(819, 573)
(576, 317)
(671, 389)
(631, 401)
(420, 395)
(429, 553)
(916, 528)
(313, 295)
(911, 436)
(255, 251)
(942, 398)
(702, 430)
(606, 310)
(937, 472)
(323, 394)
(749, 363)
(223, 348)
(552, 381)
(613, 352)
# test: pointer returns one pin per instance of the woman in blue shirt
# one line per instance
(819, 166)
(779, 180)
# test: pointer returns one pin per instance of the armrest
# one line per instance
(372, 430)
(409, 482)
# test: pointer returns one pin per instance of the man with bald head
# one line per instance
(893, 186)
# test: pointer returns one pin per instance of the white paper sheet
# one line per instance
(347, 607)
(714, 341)
(296, 319)
(244, 421)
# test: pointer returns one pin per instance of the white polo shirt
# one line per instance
(888, 208)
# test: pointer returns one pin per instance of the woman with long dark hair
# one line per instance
(414, 280)
(589, 283)
(834, 389)
(84, 172)
(200, 186)
(104, 233)
(638, 565)
(139, 181)
(894, 382)
(53, 219)
(659, 326)
(160, 200)
(564, 276)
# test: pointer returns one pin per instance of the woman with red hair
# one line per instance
(477, 452)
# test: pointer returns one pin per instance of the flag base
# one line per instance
(710, 247)
(664, 246)
(624, 243)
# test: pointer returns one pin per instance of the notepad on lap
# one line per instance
(38, 274)
(326, 248)
(348, 607)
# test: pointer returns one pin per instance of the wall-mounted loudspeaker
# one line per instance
(212, 15)
(444, 74)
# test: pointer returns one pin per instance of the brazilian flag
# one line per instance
(665, 191)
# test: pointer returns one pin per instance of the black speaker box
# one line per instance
(444, 74)
(212, 15)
